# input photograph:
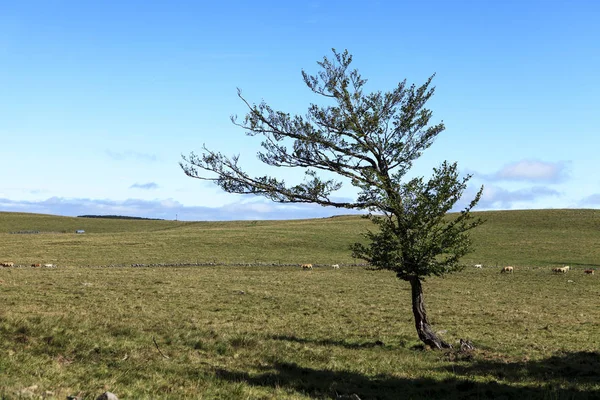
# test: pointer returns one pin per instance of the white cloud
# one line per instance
(149, 185)
(530, 171)
(498, 198)
(592, 200)
(255, 209)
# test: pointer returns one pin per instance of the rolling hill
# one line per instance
(521, 237)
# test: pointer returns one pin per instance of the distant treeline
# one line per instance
(117, 217)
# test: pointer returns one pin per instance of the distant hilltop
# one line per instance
(117, 217)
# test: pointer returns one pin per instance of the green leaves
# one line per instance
(370, 141)
(418, 239)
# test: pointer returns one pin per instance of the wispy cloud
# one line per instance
(495, 197)
(146, 186)
(243, 209)
(530, 171)
(592, 200)
(129, 154)
(37, 191)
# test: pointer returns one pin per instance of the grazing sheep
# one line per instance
(36, 265)
(478, 266)
(335, 266)
(507, 269)
(559, 270)
(567, 267)
(589, 271)
(7, 264)
(48, 265)
(306, 266)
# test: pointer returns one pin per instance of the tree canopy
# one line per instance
(371, 141)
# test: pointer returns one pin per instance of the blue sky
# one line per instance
(99, 100)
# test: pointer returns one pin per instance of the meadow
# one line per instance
(269, 330)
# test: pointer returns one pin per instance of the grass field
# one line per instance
(277, 332)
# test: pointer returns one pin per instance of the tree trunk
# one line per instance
(424, 330)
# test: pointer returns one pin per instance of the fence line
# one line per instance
(205, 264)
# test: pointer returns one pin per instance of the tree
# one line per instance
(370, 140)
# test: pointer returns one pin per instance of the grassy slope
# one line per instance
(283, 333)
(522, 238)
(538, 238)
(110, 241)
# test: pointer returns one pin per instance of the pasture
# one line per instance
(95, 323)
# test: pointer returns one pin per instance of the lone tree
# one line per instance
(371, 140)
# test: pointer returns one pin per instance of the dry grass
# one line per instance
(285, 333)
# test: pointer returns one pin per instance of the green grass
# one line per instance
(109, 241)
(233, 332)
(521, 238)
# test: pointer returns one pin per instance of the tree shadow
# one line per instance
(582, 368)
(331, 342)
(328, 384)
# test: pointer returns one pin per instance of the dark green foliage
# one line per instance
(421, 240)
